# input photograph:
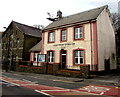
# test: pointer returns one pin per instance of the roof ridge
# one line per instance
(88, 10)
(83, 11)
(26, 25)
(91, 14)
(29, 30)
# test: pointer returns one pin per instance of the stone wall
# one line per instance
(85, 70)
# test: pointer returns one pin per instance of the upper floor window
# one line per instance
(79, 57)
(78, 32)
(11, 44)
(63, 35)
(12, 36)
(51, 37)
(3, 45)
(6, 35)
(6, 46)
(50, 56)
(18, 42)
(16, 32)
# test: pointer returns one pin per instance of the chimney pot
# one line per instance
(59, 14)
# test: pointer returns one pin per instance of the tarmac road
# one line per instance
(57, 85)
(49, 80)
(11, 90)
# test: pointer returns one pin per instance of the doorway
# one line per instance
(107, 65)
(63, 59)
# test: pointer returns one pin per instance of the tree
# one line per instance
(115, 19)
(39, 26)
(116, 22)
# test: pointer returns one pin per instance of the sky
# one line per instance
(34, 12)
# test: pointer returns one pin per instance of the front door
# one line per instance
(107, 65)
(63, 59)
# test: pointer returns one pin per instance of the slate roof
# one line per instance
(29, 30)
(37, 47)
(77, 18)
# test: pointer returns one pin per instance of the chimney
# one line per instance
(59, 14)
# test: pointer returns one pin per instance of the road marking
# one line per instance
(64, 81)
(61, 88)
(4, 83)
(44, 93)
(95, 89)
(27, 84)
(27, 80)
(11, 82)
(30, 81)
(84, 92)
(55, 90)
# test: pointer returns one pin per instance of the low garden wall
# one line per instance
(85, 71)
(54, 69)
(69, 73)
(30, 69)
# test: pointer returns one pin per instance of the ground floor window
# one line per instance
(78, 57)
(50, 56)
(35, 56)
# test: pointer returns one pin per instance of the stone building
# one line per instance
(1, 48)
(17, 40)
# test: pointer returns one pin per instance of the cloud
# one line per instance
(32, 12)
(112, 4)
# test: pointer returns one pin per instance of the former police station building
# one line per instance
(85, 38)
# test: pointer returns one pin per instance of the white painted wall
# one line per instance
(106, 41)
(82, 44)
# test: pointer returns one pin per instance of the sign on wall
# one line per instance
(66, 44)
(41, 57)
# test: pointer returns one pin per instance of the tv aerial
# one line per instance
(51, 18)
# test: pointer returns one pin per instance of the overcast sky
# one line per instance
(31, 12)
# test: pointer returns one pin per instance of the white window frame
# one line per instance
(51, 53)
(51, 37)
(78, 32)
(80, 54)
(63, 35)
(35, 56)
